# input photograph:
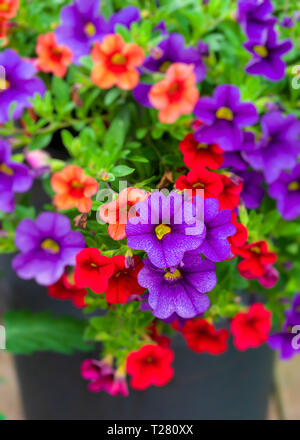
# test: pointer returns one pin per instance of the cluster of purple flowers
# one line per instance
(288, 340)
(175, 232)
(259, 25)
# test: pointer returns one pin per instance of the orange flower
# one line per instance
(8, 8)
(117, 213)
(52, 57)
(74, 189)
(177, 94)
(115, 63)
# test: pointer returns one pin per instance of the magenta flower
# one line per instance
(99, 373)
(14, 178)
(20, 85)
(47, 246)
(267, 53)
(224, 116)
(180, 289)
(164, 228)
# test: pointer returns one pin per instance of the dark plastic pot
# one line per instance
(231, 386)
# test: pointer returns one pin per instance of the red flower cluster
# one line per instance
(66, 288)
(256, 259)
(114, 276)
(199, 157)
(201, 337)
(251, 329)
(150, 365)
(240, 238)
(8, 10)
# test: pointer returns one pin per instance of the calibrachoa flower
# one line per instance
(66, 289)
(123, 281)
(224, 116)
(9, 8)
(270, 278)
(230, 197)
(254, 16)
(197, 155)
(150, 365)
(47, 246)
(52, 57)
(202, 337)
(218, 226)
(119, 385)
(253, 192)
(99, 373)
(200, 178)
(73, 189)
(180, 289)
(256, 259)
(175, 95)
(14, 178)
(239, 239)
(267, 53)
(118, 212)
(251, 329)
(116, 62)
(269, 156)
(286, 191)
(165, 229)
(93, 270)
(20, 85)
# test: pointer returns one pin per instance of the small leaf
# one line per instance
(122, 170)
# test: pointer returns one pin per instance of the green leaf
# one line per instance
(40, 141)
(28, 332)
(61, 90)
(122, 170)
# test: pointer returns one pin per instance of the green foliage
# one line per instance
(28, 332)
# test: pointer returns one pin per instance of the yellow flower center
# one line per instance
(6, 170)
(4, 84)
(162, 230)
(90, 29)
(118, 59)
(77, 185)
(294, 186)
(50, 246)
(4, 7)
(165, 65)
(261, 51)
(198, 185)
(224, 113)
(255, 249)
(202, 146)
(172, 275)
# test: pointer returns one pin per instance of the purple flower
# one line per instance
(14, 178)
(170, 50)
(252, 193)
(218, 225)
(286, 190)
(287, 341)
(254, 16)
(287, 22)
(179, 290)
(224, 116)
(279, 147)
(165, 228)
(267, 53)
(236, 159)
(82, 25)
(47, 246)
(20, 85)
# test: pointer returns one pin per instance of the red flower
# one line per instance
(251, 329)
(197, 155)
(240, 237)
(201, 178)
(65, 288)
(230, 196)
(201, 336)
(150, 365)
(9, 8)
(161, 340)
(123, 281)
(256, 259)
(93, 270)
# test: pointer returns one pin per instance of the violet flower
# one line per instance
(267, 53)
(279, 146)
(253, 192)
(47, 246)
(224, 116)
(14, 178)
(254, 16)
(286, 191)
(181, 289)
(20, 85)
